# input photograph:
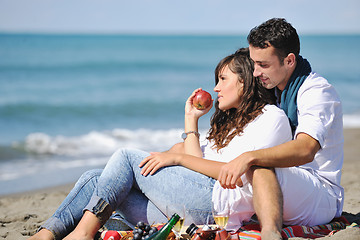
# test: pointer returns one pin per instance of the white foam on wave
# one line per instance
(56, 154)
(60, 154)
(97, 143)
(102, 143)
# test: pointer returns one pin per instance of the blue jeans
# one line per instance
(120, 187)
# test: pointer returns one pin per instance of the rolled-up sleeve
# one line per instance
(316, 109)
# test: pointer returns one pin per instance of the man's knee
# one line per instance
(259, 173)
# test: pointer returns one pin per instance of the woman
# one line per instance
(140, 185)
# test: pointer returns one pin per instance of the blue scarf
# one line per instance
(288, 96)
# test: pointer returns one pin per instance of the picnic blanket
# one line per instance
(251, 231)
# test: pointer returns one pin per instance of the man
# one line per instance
(305, 186)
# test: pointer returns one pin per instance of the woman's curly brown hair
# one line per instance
(225, 125)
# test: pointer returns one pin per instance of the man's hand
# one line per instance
(157, 160)
(230, 173)
(297, 152)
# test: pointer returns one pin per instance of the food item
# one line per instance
(202, 100)
(143, 231)
(208, 233)
(110, 235)
(197, 233)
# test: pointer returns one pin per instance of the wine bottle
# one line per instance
(166, 229)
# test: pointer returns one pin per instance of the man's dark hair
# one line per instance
(278, 33)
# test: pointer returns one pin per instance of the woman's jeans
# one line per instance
(121, 187)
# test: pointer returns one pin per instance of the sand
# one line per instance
(21, 214)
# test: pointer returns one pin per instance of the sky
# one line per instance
(176, 17)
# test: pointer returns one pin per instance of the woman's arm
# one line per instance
(188, 153)
(192, 142)
(177, 148)
(155, 161)
(192, 115)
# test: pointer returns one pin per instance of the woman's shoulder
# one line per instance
(273, 111)
(270, 128)
(271, 116)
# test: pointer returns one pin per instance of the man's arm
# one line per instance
(297, 152)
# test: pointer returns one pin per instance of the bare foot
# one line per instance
(86, 229)
(270, 235)
(78, 236)
(43, 234)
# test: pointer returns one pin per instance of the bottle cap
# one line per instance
(191, 229)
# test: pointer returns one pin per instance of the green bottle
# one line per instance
(166, 229)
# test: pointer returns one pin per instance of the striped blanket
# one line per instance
(251, 231)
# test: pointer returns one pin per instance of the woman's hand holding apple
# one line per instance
(199, 103)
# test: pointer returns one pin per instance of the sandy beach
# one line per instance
(21, 214)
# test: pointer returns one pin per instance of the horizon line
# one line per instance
(158, 33)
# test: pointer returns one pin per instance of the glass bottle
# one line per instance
(166, 229)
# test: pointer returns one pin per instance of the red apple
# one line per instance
(110, 235)
(202, 100)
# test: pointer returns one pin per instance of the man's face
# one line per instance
(268, 67)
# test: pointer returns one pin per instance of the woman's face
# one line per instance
(229, 89)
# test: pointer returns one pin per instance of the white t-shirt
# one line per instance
(320, 116)
(269, 129)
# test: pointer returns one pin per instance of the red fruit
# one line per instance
(110, 235)
(202, 100)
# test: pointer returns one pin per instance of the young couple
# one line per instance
(252, 161)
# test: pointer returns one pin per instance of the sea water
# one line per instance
(67, 102)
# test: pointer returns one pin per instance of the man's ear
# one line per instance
(290, 60)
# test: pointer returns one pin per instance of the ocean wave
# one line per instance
(106, 142)
(97, 143)
(45, 155)
(101, 143)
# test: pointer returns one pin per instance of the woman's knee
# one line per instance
(177, 148)
(89, 176)
(118, 158)
(123, 154)
(125, 158)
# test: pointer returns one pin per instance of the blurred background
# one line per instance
(82, 78)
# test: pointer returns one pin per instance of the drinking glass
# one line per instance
(181, 211)
(220, 215)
